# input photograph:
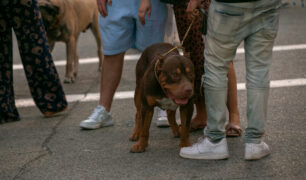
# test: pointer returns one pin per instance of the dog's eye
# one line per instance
(190, 76)
(173, 77)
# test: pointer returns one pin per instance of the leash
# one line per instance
(194, 14)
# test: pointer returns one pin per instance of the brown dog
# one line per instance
(64, 20)
(164, 81)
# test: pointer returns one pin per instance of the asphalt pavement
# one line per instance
(37, 148)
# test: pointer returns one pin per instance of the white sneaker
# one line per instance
(99, 118)
(256, 151)
(162, 120)
(205, 149)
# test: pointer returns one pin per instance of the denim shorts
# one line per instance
(121, 29)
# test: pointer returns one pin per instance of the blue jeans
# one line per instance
(255, 23)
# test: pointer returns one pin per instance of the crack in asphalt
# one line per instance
(46, 149)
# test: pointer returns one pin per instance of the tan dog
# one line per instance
(64, 20)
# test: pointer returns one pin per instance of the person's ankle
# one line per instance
(234, 118)
(104, 107)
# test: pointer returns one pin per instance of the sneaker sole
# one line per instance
(206, 157)
(162, 123)
(256, 158)
(97, 126)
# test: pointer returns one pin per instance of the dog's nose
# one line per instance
(188, 90)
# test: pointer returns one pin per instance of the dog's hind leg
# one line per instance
(96, 32)
(172, 123)
(76, 59)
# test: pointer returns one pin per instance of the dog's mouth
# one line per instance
(176, 100)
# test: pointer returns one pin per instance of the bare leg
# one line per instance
(110, 78)
(233, 127)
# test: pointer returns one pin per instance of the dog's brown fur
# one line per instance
(172, 79)
(64, 21)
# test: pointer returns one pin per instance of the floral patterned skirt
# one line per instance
(23, 16)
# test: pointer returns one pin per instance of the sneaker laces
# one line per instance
(161, 113)
(95, 113)
(199, 141)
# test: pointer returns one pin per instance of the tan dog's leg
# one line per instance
(233, 127)
(76, 59)
(137, 100)
(172, 123)
(142, 143)
(96, 32)
(186, 115)
(71, 49)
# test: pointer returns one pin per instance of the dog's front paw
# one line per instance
(176, 133)
(134, 136)
(138, 148)
(69, 80)
(184, 144)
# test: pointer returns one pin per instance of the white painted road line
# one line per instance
(279, 83)
(135, 57)
(130, 94)
(280, 48)
(132, 57)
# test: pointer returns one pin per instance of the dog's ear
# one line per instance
(47, 7)
(55, 10)
(43, 3)
(49, 13)
(158, 65)
(162, 79)
(161, 76)
(160, 59)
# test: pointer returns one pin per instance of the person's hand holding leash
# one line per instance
(102, 6)
(192, 5)
(144, 8)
